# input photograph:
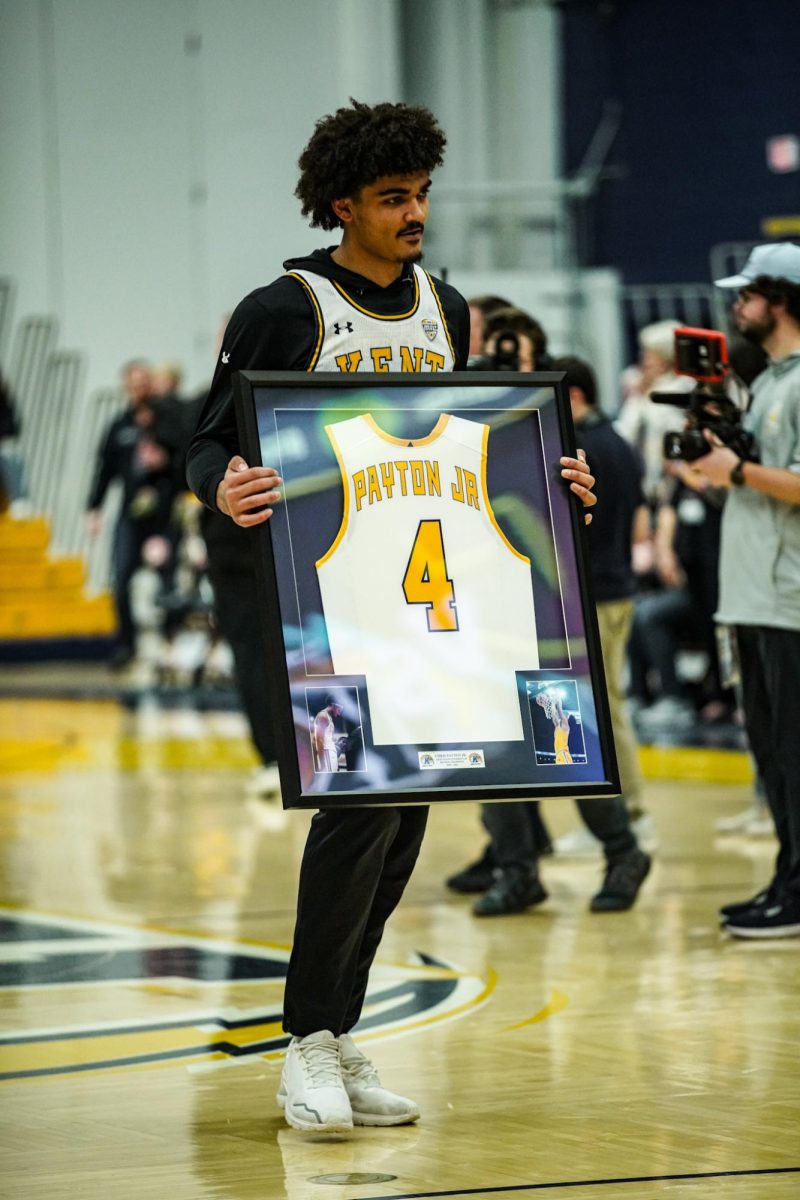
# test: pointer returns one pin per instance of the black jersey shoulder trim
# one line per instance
(317, 316)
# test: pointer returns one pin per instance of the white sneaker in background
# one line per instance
(311, 1093)
(739, 822)
(265, 782)
(371, 1102)
(761, 825)
(646, 833)
(669, 714)
(219, 664)
(580, 843)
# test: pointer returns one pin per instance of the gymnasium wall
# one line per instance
(149, 147)
(701, 85)
(149, 156)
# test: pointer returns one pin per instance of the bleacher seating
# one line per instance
(42, 596)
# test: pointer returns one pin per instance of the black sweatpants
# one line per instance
(770, 666)
(240, 622)
(356, 864)
(513, 834)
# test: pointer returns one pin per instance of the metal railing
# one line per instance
(34, 342)
(7, 295)
(700, 304)
(61, 430)
(47, 426)
(643, 304)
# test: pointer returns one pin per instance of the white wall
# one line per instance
(149, 153)
(149, 148)
(581, 320)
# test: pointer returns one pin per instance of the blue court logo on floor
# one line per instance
(168, 999)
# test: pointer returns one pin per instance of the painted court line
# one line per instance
(519, 1188)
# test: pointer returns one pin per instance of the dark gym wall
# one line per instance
(702, 85)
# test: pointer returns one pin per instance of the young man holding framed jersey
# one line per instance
(364, 305)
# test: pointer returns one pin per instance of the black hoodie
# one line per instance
(274, 329)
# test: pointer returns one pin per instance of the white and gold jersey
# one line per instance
(351, 338)
(422, 592)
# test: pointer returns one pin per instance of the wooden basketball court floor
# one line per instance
(147, 908)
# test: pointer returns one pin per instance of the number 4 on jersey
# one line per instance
(426, 580)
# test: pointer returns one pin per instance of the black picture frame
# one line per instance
(290, 420)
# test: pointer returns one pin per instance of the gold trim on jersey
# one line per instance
(487, 502)
(441, 314)
(346, 490)
(318, 315)
(436, 432)
(381, 316)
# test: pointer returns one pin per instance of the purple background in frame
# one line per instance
(531, 505)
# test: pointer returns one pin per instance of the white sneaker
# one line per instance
(265, 782)
(668, 715)
(760, 826)
(311, 1093)
(580, 843)
(739, 822)
(644, 827)
(372, 1104)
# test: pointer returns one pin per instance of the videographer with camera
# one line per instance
(760, 568)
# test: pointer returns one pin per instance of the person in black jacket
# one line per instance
(359, 305)
(139, 449)
(9, 428)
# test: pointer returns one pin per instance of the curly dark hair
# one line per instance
(357, 145)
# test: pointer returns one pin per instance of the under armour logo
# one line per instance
(225, 357)
(348, 325)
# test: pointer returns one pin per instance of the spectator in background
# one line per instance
(9, 428)
(624, 520)
(681, 609)
(531, 338)
(139, 450)
(687, 541)
(506, 871)
(166, 382)
(481, 309)
(760, 569)
(640, 420)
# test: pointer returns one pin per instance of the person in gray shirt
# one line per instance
(760, 570)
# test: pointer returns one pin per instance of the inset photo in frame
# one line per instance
(335, 730)
(556, 722)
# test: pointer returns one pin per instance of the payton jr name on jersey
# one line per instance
(413, 477)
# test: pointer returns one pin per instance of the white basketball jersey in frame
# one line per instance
(351, 338)
(421, 591)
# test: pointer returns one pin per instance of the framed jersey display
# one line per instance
(430, 635)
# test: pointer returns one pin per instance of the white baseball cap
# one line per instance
(778, 260)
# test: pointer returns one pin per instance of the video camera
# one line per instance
(504, 358)
(702, 354)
